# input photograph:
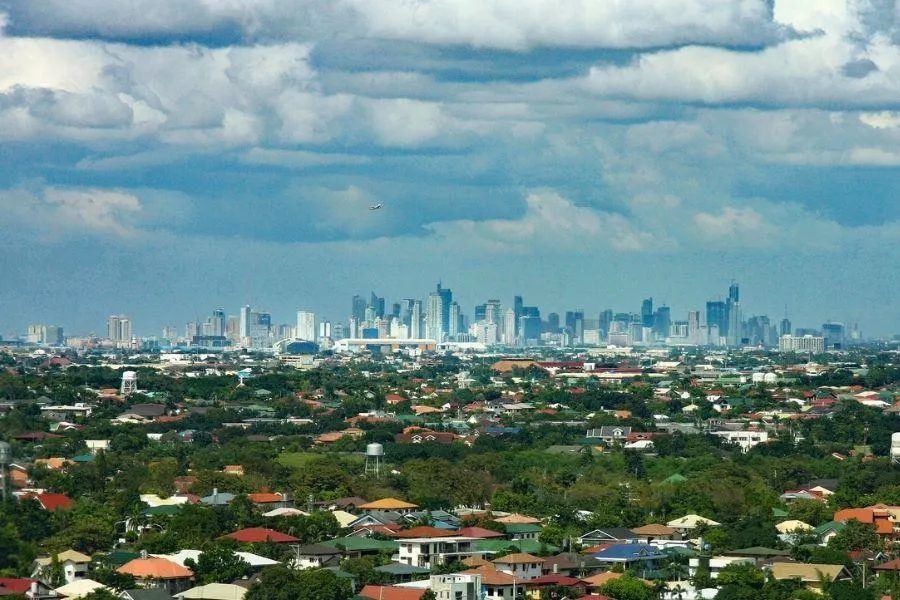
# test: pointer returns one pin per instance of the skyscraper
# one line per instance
(306, 326)
(647, 312)
(716, 317)
(553, 323)
(518, 306)
(358, 308)
(446, 298)
(415, 320)
(785, 326)
(218, 322)
(434, 317)
(118, 328)
(662, 321)
(455, 318)
(734, 292)
(246, 323)
(509, 326)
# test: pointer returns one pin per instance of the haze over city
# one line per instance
(165, 158)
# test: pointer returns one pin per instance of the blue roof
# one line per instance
(629, 552)
(500, 429)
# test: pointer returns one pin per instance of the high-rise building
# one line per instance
(415, 320)
(306, 326)
(246, 323)
(325, 330)
(694, 331)
(734, 293)
(575, 325)
(716, 316)
(455, 321)
(814, 344)
(376, 303)
(647, 313)
(833, 334)
(518, 308)
(492, 312)
(662, 322)
(734, 333)
(118, 328)
(553, 323)
(785, 327)
(446, 299)
(480, 312)
(434, 317)
(605, 322)
(509, 326)
(359, 309)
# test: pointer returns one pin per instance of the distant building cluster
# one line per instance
(438, 321)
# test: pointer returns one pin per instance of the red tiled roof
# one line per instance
(19, 585)
(264, 497)
(479, 532)
(53, 502)
(556, 579)
(387, 592)
(253, 535)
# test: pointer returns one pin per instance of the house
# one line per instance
(422, 436)
(689, 523)
(826, 531)
(537, 586)
(522, 531)
(259, 535)
(640, 557)
(813, 576)
(745, 440)
(609, 535)
(213, 591)
(428, 552)
(401, 572)
(74, 565)
(497, 585)
(391, 504)
(78, 588)
(881, 516)
(158, 572)
(520, 565)
(313, 556)
(609, 433)
(255, 561)
(146, 594)
(387, 592)
(217, 498)
(480, 533)
(717, 563)
(595, 582)
(654, 531)
(358, 547)
(270, 501)
(53, 502)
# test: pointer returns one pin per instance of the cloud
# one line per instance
(300, 159)
(56, 213)
(478, 23)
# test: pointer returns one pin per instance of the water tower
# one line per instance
(895, 448)
(129, 383)
(374, 458)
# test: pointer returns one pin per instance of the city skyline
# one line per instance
(162, 153)
(441, 317)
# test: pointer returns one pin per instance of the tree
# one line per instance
(282, 583)
(856, 536)
(849, 590)
(627, 588)
(100, 594)
(742, 574)
(218, 563)
(428, 595)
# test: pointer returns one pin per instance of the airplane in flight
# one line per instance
(376, 206)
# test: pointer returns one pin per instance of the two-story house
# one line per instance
(428, 552)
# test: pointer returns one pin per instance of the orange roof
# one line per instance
(155, 568)
(653, 529)
(387, 504)
(863, 515)
(517, 558)
(54, 464)
(602, 578)
(475, 561)
(491, 576)
(263, 497)
(516, 518)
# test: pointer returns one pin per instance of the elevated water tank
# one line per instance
(374, 449)
(770, 378)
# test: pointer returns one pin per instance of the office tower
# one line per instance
(406, 310)
(694, 330)
(480, 312)
(338, 332)
(383, 327)
(398, 330)
(306, 325)
(377, 305)
(509, 326)
(813, 344)
(785, 327)
(734, 333)
(415, 320)
(605, 322)
(245, 322)
(492, 312)
(169, 332)
(455, 321)
(530, 327)
(716, 316)
(358, 309)
(553, 323)
(118, 328)
(834, 335)
(575, 325)
(325, 330)
(734, 294)
(446, 299)
(434, 317)
(662, 321)
(395, 310)
(518, 310)
(353, 328)
(218, 322)
(647, 313)
(191, 329)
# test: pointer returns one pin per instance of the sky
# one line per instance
(162, 158)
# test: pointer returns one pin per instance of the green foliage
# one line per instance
(218, 563)
(856, 536)
(627, 588)
(282, 583)
(742, 574)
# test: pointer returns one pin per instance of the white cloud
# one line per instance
(56, 213)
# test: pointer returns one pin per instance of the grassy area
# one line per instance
(297, 460)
